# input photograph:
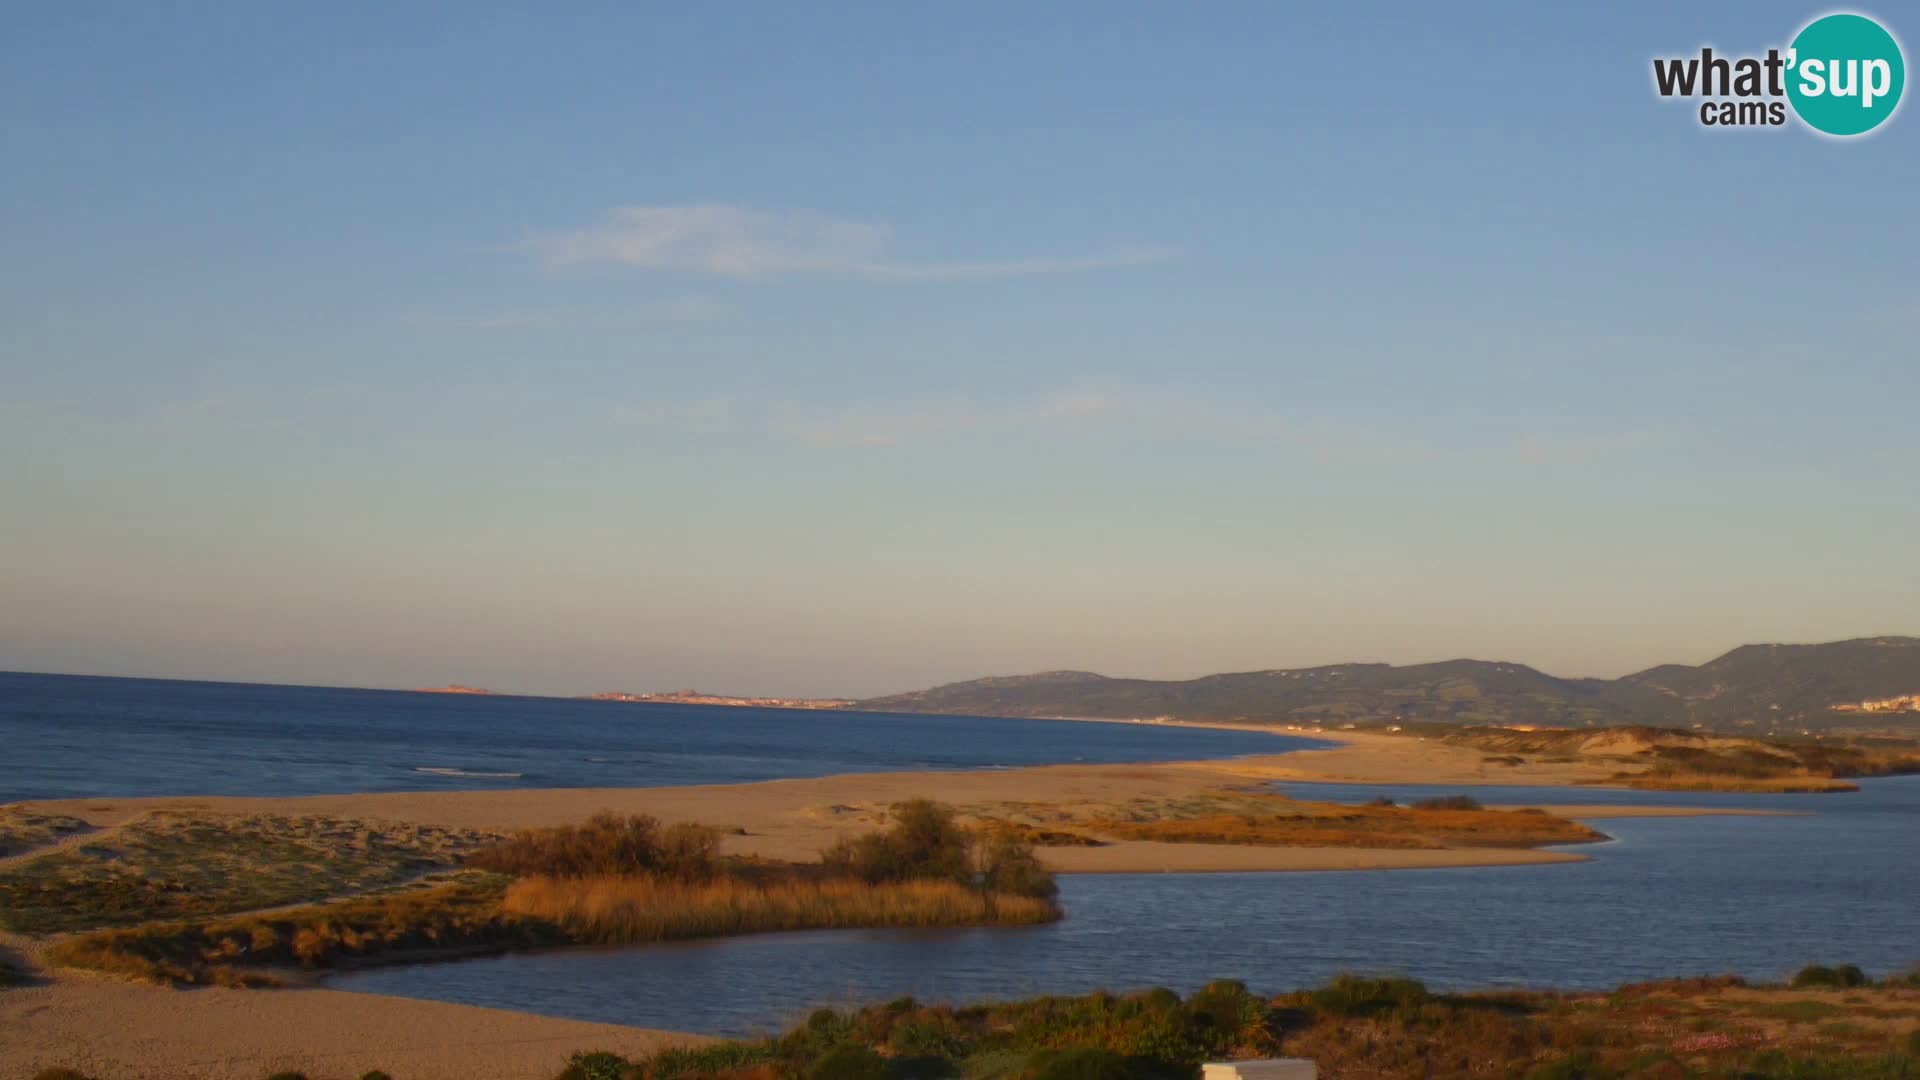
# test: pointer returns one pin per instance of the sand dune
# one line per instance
(132, 1032)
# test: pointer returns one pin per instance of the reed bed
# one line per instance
(634, 910)
(1323, 825)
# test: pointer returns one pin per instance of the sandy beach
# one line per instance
(797, 819)
(116, 1030)
(110, 1029)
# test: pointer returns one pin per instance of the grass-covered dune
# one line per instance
(1661, 759)
(1831, 1024)
(610, 881)
(1264, 819)
(1353, 1028)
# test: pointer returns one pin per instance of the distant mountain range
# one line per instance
(1863, 684)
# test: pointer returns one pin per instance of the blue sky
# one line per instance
(851, 348)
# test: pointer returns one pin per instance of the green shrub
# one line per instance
(921, 1068)
(1816, 975)
(849, 1062)
(607, 845)
(715, 1059)
(1232, 1019)
(1449, 802)
(1355, 995)
(594, 1065)
(1580, 1066)
(1008, 865)
(923, 843)
(1093, 1063)
(993, 1064)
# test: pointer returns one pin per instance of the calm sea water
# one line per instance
(1760, 896)
(74, 736)
(1839, 882)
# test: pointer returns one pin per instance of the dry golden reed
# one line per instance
(629, 910)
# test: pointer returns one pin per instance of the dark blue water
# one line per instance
(1760, 896)
(67, 736)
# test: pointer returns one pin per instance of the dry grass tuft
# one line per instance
(231, 952)
(22, 830)
(627, 910)
(172, 865)
(1325, 825)
(607, 844)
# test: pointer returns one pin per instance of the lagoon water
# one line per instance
(77, 736)
(1838, 882)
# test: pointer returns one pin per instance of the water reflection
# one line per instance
(1674, 896)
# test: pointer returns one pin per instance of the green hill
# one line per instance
(1781, 688)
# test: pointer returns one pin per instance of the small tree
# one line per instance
(923, 843)
(1008, 865)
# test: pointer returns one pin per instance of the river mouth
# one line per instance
(1758, 896)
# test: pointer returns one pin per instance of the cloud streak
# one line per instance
(666, 310)
(720, 240)
(1105, 414)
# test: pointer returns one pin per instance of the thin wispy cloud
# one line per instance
(1127, 414)
(720, 240)
(1582, 449)
(667, 310)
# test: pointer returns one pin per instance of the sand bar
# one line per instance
(124, 1031)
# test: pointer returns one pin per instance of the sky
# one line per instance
(844, 349)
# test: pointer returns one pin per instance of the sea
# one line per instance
(1826, 879)
(69, 736)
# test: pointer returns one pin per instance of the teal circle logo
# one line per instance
(1845, 74)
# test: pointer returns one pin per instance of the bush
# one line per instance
(924, 843)
(1449, 802)
(1580, 1066)
(1355, 995)
(288, 1076)
(849, 1063)
(60, 1074)
(1844, 976)
(374, 1074)
(1094, 1064)
(1008, 865)
(607, 845)
(1237, 1021)
(598, 1065)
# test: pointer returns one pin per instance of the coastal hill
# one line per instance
(1862, 684)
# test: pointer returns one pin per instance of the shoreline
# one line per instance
(119, 1030)
(795, 819)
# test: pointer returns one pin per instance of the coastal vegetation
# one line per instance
(1366, 827)
(464, 915)
(629, 910)
(1659, 759)
(1262, 818)
(1353, 1027)
(170, 866)
(923, 870)
(610, 880)
(22, 830)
